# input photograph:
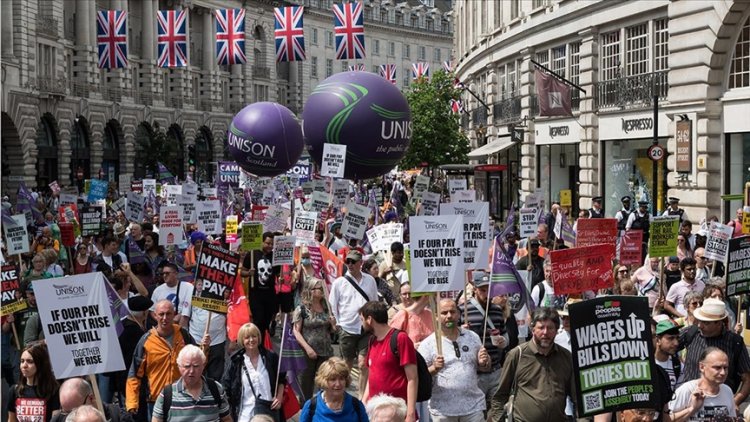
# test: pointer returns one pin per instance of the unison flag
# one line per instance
(505, 279)
(553, 95)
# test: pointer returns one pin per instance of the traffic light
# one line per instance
(191, 155)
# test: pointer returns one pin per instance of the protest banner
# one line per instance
(340, 192)
(283, 250)
(319, 185)
(717, 243)
(215, 276)
(208, 216)
(79, 326)
(16, 234)
(67, 199)
(134, 207)
(118, 205)
(231, 228)
(334, 160)
(97, 190)
(464, 196)
(136, 186)
(476, 231)
(529, 222)
(430, 204)
(252, 236)
(533, 200)
(436, 253)
(662, 241)
(123, 182)
(319, 201)
(171, 192)
(187, 204)
(149, 186)
(13, 300)
(595, 231)
(355, 221)
(421, 185)
(326, 264)
(67, 213)
(305, 223)
(276, 219)
(613, 355)
(373, 238)
(576, 270)
(170, 226)
(301, 170)
(229, 173)
(456, 184)
(631, 248)
(67, 234)
(738, 266)
(91, 221)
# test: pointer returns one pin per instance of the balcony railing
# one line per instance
(46, 25)
(507, 110)
(632, 91)
(262, 72)
(236, 106)
(49, 85)
(112, 93)
(479, 116)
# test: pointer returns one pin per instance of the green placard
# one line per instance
(252, 236)
(662, 240)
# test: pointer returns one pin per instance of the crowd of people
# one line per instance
(373, 351)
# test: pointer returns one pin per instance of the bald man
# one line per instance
(76, 392)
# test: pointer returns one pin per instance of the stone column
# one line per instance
(589, 120)
(7, 28)
(528, 147)
(82, 16)
(147, 33)
(209, 57)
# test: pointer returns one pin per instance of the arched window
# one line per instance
(143, 135)
(739, 72)
(46, 160)
(203, 155)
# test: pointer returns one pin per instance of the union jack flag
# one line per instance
(357, 67)
(448, 66)
(112, 38)
(348, 20)
(458, 84)
(290, 37)
(456, 106)
(420, 70)
(388, 71)
(172, 38)
(230, 36)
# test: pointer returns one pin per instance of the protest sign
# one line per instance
(319, 201)
(136, 186)
(373, 237)
(532, 201)
(738, 266)
(123, 182)
(172, 191)
(421, 185)
(231, 228)
(464, 196)
(304, 227)
(118, 205)
(595, 231)
(79, 326)
(717, 243)
(190, 188)
(576, 270)
(340, 192)
(476, 231)
(68, 213)
(68, 198)
(170, 226)
(252, 236)
(436, 253)
(187, 204)
(662, 241)
(215, 276)
(355, 221)
(334, 160)
(16, 235)
(456, 184)
(613, 355)
(54, 187)
(529, 222)
(276, 219)
(67, 234)
(13, 300)
(301, 170)
(269, 194)
(283, 250)
(258, 212)
(210, 193)
(319, 185)
(382, 236)
(208, 216)
(134, 207)
(91, 221)
(430, 203)
(149, 186)
(97, 190)
(631, 248)
(229, 173)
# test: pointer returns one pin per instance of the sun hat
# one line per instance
(712, 310)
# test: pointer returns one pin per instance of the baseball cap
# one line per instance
(354, 255)
(480, 278)
(667, 326)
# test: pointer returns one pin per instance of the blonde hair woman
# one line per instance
(333, 403)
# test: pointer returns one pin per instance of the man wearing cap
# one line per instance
(708, 332)
(674, 303)
(596, 210)
(180, 293)
(706, 397)
(674, 209)
(496, 340)
(624, 213)
(666, 341)
(533, 262)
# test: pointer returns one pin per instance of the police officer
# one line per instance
(623, 215)
(596, 210)
(674, 209)
(640, 220)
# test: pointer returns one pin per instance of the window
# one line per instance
(559, 60)
(329, 67)
(633, 51)
(314, 67)
(376, 69)
(661, 36)
(428, 3)
(636, 50)
(542, 57)
(422, 53)
(610, 55)
(407, 78)
(344, 66)
(315, 36)
(437, 55)
(329, 39)
(376, 47)
(739, 71)
(575, 73)
(539, 3)
(392, 49)
(46, 59)
(513, 79)
(514, 8)
(406, 50)
(415, 22)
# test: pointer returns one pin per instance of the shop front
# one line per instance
(736, 165)
(557, 162)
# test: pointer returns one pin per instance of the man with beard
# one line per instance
(533, 263)
(389, 270)
(264, 302)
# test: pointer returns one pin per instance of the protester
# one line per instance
(37, 382)
(384, 290)
(390, 268)
(543, 294)
(683, 248)
(215, 337)
(691, 302)
(672, 273)
(647, 280)
(134, 326)
(415, 319)
(332, 403)
(110, 259)
(715, 290)
(178, 293)
(736, 224)
(674, 303)
(264, 302)
(707, 396)
(596, 209)
(82, 261)
(37, 271)
(533, 263)
(76, 392)
(86, 413)
(50, 260)
(666, 341)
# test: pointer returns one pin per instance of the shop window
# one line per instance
(739, 73)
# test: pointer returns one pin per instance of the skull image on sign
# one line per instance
(265, 271)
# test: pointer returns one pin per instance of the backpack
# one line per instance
(314, 404)
(168, 397)
(424, 378)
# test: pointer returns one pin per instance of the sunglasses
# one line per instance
(622, 271)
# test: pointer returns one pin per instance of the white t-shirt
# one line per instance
(549, 293)
(199, 317)
(169, 293)
(720, 404)
(669, 369)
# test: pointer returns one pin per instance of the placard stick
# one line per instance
(466, 297)
(15, 335)
(252, 269)
(97, 396)
(713, 268)
(661, 278)
(438, 333)
(206, 347)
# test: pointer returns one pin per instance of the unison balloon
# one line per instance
(265, 139)
(366, 113)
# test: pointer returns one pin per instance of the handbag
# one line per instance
(509, 405)
(261, 407)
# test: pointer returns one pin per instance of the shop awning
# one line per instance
(491, 148)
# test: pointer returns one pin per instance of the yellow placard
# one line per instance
(566, 198)
(252, 236)
(746, 221)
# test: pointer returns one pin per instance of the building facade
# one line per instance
(65, 119)
(676, 73)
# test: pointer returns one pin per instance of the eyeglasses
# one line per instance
(622, 271)
(700, 257)
(456, 349)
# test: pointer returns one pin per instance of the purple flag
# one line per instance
(292, 356)
(27, 205)
(165, 176)
(510, 222)
(135, 254)
(505, 279)
(553, 95)
(568, 235)
(119, 310)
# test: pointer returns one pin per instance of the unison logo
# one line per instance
(432, 225)
(68, 290)
(244, 143)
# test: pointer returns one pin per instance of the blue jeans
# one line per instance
(104, 388)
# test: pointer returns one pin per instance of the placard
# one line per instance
(283, 250)
(717, 243)
(215, 276)
(276, 219)
(149, 186)
(738, 266)
(305, 223)
(208, 216)
(576, 270)
(476, 231)
(123, 182)
(594, 231)
(170, 226)
(326, 264)
(136, 186)
(252, 236)
(456, 184)
(355, 221)
(67, 213)
(529, 222)
(229, 173)
(134, 207)
(67, 199)
(91, 221)
(566, 198)
(118, 205)
(334, 160)
(436, 253)
(231, 228)
(421, 185)
(340, 192)
(67, 234)
(16, 234)
(172, 191)
(187, 204)
(319, 185)
(13, 300)
(464, 196)
(532, 200)
(97, 190)
(430, 204)
(631, 248)
(662, 241)
(319, 201)
(258, 212)
(613, 354)
(79, 325)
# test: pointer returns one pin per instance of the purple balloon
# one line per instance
(265, 139)
(366, 113)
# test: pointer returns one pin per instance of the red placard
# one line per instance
(576, 270)
(67, 213)
(595, 231)
(67, 234)
(631, 247)
(259, 212)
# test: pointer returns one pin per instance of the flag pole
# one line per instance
(557, 75)
(281, 353)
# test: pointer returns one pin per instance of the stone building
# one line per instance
(691, 58)
(65, 119)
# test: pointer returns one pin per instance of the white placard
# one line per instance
(529, 222)
(276, 218)
(172, 191)
(477, 232)
(355, 221)
(456, 184)
(717, 244)
(67, 199)
(283, 250)
(304, 227)
(78, 325)
(134, 207)
(149, 185)
(430, 203)
(16, 235)
(118, 205)
(319, 185)
(170, 226)
(532, 200)
(340, 192)
(334, 160)
(319, 201)
(124, 182)
(464, 196)
(208, 216)
(190, 188)
(436, 253)
(390, 233)
(187, 203)
(421, 185)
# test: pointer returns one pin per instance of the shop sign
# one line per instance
(630, 125)
(684, 140)
(555, 131)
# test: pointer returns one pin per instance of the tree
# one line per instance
(436, 136)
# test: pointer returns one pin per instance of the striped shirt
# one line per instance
(185, 408)
(731, 343)
(476, 320)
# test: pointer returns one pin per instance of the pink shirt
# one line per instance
(419, 327)
(678, 291)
